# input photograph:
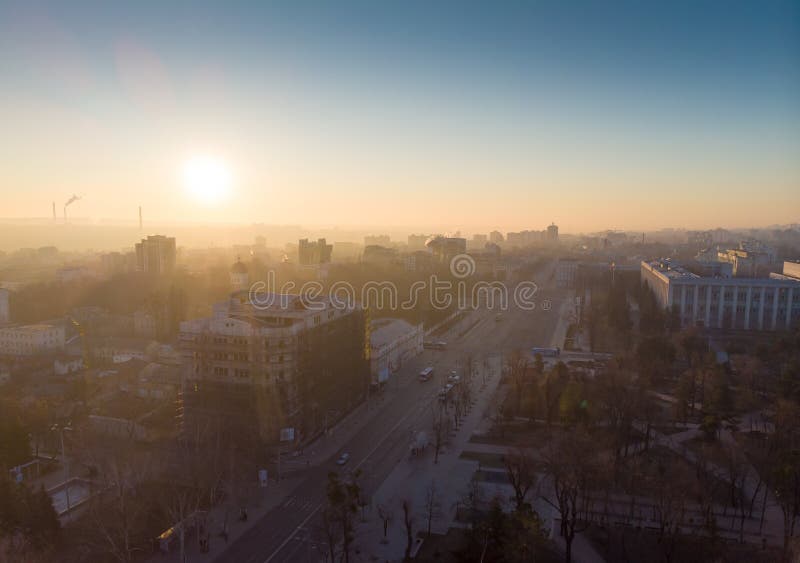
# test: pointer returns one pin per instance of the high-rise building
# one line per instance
(156, 254)
(310, 252)
(269, 365)
(552, 232)
(496, 237)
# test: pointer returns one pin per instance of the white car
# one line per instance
(344, 458)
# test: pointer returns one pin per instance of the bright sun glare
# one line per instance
(206, 179)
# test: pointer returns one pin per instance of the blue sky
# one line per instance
(507, 114)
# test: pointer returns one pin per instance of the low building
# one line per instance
(29, 340)
(66, 365)
(725, 303)
(392, 342)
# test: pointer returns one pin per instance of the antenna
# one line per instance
(140, 217)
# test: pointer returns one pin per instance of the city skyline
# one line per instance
(636, 118)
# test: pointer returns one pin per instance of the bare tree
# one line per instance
(441, 428)
(521, 472)
(386, 514)
(517, 369)
(433, 504)
(408, 523)
(570, 464)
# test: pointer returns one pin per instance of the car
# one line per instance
(344, 458)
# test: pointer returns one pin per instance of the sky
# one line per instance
(511, 115)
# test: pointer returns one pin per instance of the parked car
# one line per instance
(344, 458)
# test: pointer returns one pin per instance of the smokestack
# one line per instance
(69, 202)
(140, 218)
(54, 211)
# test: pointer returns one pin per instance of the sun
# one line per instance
(207, 179)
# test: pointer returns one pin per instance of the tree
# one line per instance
(433, 504)
(441, 428)
(408, 523)
(571, 466)
(29, 525)
(386, 514)
(517, 369)
(521, 472)
(343, 498)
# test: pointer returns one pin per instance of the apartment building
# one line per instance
(273, 365)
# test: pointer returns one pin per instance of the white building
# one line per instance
(28, 340)
(718, 302)
(392, 342)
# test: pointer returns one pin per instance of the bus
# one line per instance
(547, 352)
(426, 374)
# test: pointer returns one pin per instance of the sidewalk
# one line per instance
(411, 481)
(264, 500)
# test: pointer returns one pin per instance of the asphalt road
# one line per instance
(283, 533)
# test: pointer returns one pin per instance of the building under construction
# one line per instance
(271, 368)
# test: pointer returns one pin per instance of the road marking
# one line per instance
(313, 512)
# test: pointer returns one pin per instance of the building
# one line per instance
(445, 248)
(310, 253)
(418, 261)
(240, 278)
(749, 260)
(5, 315)
(479, 241)
(156, 255)
(271, 365)
(552, 233)
(525, 238)
(496, 237)
(377, 240)
(30, 340)
(567, 272)
(380, 256)
(719, 302)
(392, 342)
(416, 242)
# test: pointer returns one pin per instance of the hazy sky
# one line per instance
(509, 114)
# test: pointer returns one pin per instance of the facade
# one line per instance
(392, 342)
(566, 272)
(727, 303)
(445, 248)
(29, 340)
(552, 233)
(240, 278)
(279, 363)
(310, 252)
(156, 254)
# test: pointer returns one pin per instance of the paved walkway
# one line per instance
(412, 479)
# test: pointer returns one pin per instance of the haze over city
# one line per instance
(440, 281)
(363, 113)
